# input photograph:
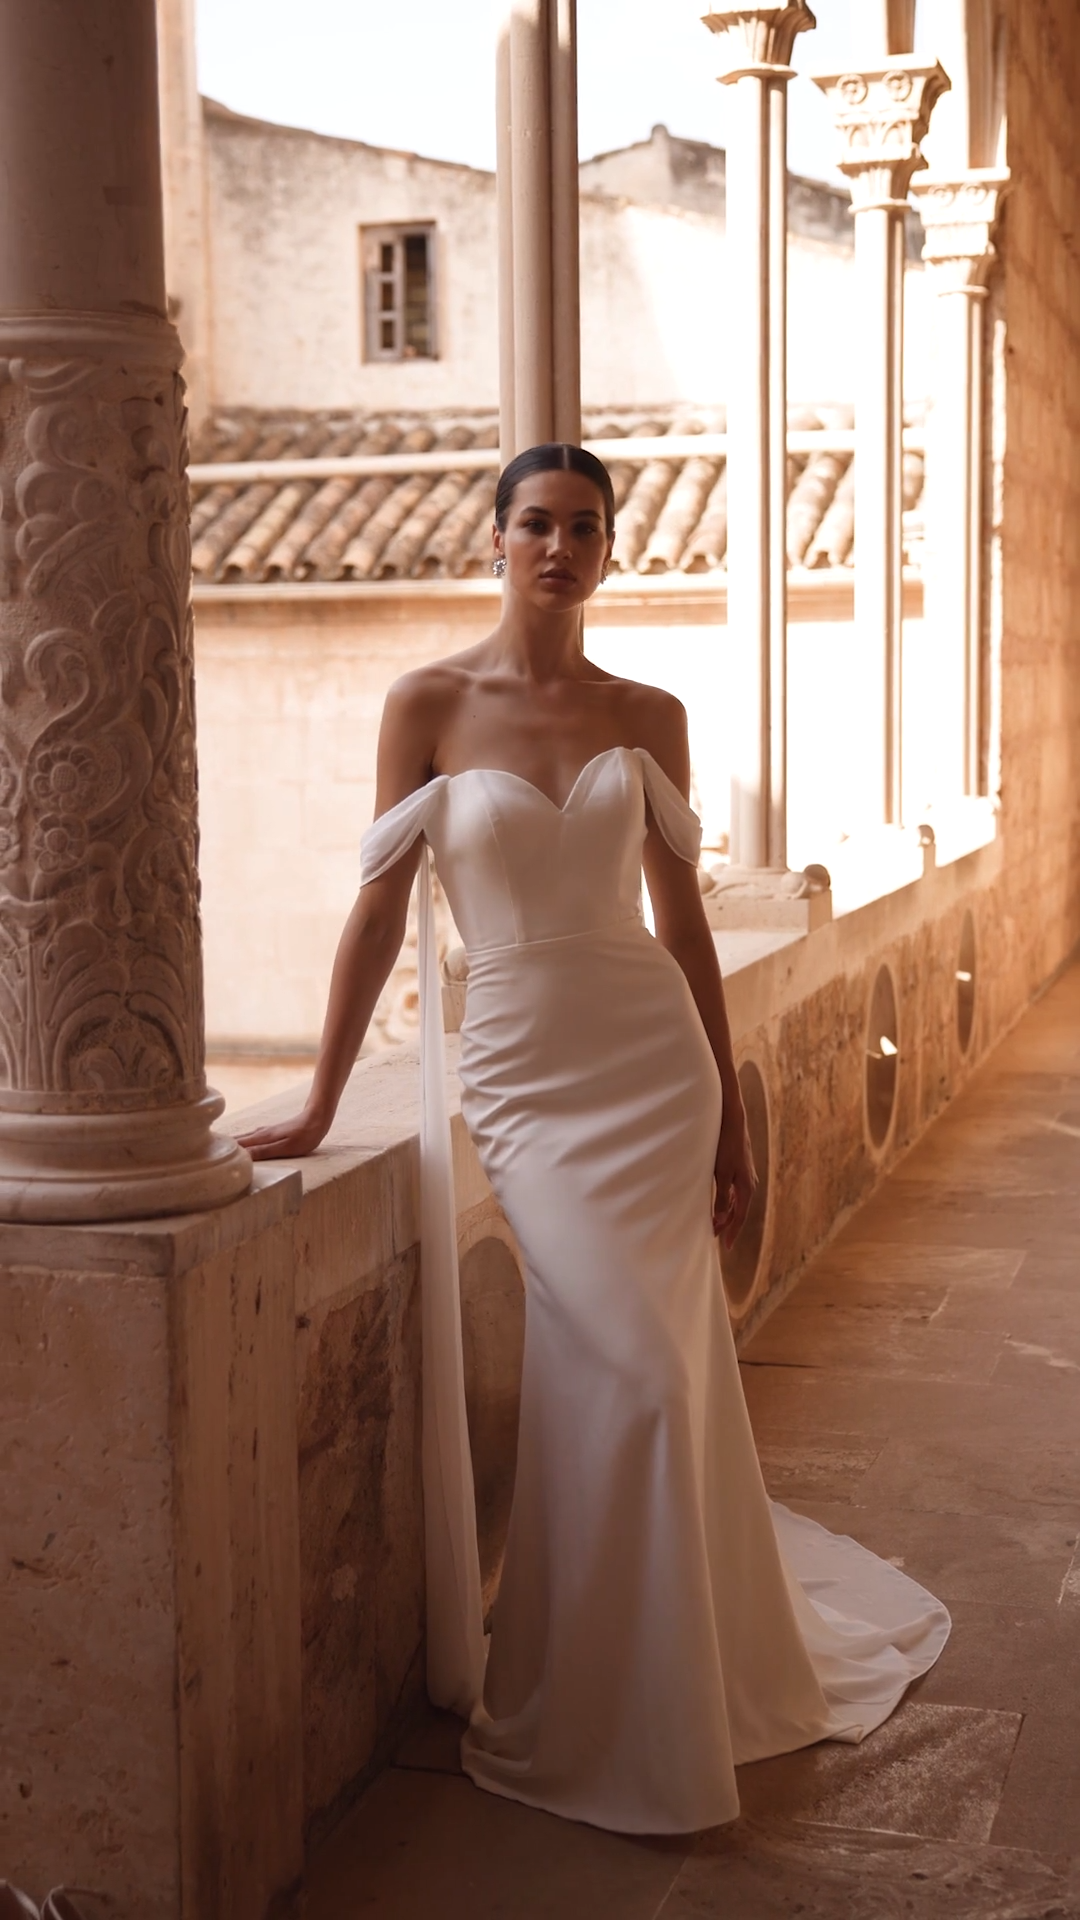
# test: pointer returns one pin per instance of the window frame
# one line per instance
(373, 278)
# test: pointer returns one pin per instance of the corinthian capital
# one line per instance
(959, 217)
(750, 39)
(881, 114)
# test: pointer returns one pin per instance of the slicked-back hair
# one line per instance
(554, 456)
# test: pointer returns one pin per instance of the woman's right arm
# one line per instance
(372, 936)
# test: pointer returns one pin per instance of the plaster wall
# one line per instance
(285, 209)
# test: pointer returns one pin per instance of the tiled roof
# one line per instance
(672, 514)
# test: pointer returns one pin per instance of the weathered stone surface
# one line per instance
(774, 1870)
(151, 1581)
(361, 1523)
(87, 1587)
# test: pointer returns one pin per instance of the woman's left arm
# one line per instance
(682, 928)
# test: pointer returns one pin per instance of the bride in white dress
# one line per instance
(659, 1620)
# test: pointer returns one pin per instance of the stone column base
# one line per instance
(117, 1166)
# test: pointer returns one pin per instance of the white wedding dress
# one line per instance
(659, 1621)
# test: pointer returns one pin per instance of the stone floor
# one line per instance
(920, 1390)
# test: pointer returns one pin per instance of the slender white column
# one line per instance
(187, 271)
(104, 1112)
(959, 217)
(754, 45)
(537, 177)
(881, 115)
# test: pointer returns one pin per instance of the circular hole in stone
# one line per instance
(882, 1058)
(965, 983)
(739, 1264)
(493, 1337)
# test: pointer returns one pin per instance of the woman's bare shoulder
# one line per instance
(435, 680)
(422, 697)
(656, 720)
(653, 712)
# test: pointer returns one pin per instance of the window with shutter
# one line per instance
(399, 292)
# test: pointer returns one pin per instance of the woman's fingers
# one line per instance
(741, 1195)
(734, 1191)
(285, 1140)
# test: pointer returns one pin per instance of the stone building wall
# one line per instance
(1036, 501)
(284, 212)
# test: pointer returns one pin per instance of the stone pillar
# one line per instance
(187, 269)
(887, 24)
(104, 1112)
(881, 115)
(959, 217)
(754, 45)
(537, 177)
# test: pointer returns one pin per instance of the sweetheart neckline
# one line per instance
(507, 773)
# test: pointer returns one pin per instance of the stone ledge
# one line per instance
(163, 1248)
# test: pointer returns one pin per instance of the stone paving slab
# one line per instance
(1015, 1560)
(771, 1870)
(933, 1771)
(828, 1466)
(425, 1846)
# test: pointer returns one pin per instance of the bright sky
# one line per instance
(419, 74)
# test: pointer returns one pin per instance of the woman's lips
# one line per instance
(558, 573)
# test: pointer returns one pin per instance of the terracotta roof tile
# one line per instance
(671, 515)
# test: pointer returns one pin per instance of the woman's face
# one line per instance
(556, 542)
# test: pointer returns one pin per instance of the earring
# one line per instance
(498, 565)
(603, 573)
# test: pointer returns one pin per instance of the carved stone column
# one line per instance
(754, 46)
(959, 216)
(537, 181)
(104, 1112)
(881, 115)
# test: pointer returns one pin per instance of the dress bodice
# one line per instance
(517, 868)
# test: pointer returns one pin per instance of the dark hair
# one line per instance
(555, 456)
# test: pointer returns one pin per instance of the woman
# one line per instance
(653, 1626)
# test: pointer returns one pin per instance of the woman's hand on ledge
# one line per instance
(286, 1139)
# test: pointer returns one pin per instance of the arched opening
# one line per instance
(965, 983)
(882, 1058)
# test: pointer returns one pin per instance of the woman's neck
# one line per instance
(538, 645)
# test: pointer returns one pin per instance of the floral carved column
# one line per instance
(104, 1112)
(754, 45)
(881, 115)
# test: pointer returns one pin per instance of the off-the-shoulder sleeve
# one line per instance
(455, 1624)
(393, 833)
(676, 820)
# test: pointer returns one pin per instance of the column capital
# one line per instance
(881, 114)
(959, 217)
(757, 39)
